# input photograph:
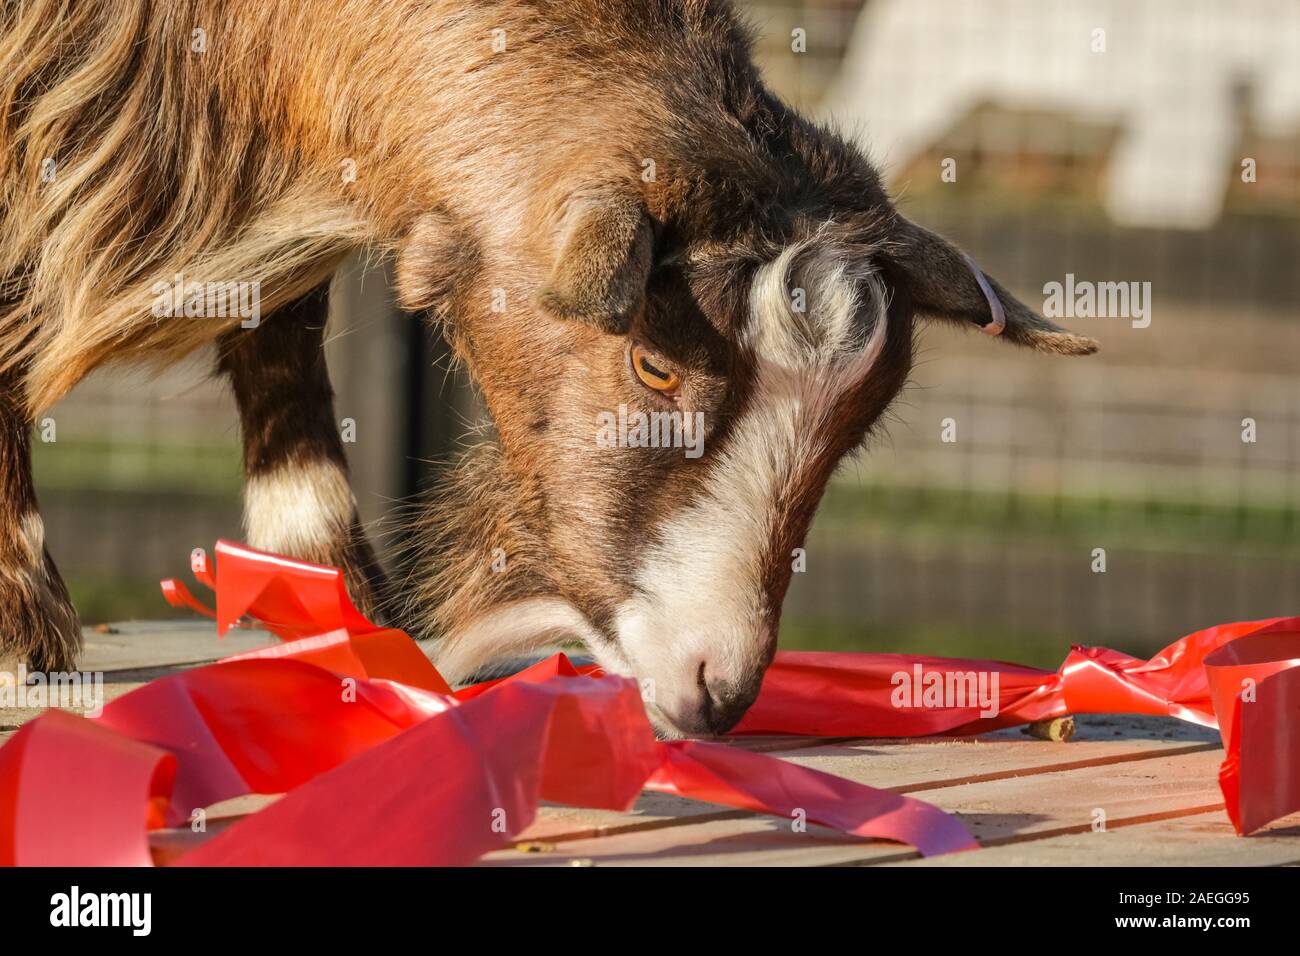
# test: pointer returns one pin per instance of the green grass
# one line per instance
(100, 600)
(81, 464)
(1151, 523)
(849, 511)
(819, 634)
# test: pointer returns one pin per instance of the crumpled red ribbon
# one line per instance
(381, 763)
(1241, 678)
(378, 761)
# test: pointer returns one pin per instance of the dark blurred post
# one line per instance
(392, 381)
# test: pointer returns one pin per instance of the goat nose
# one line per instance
(726, 702)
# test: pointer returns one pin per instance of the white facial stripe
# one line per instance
(699, 596)
(701, 586)
(511, 629)
(300, 508)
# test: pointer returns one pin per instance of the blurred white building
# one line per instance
(1178, 78)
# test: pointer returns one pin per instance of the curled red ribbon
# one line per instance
(381, 763)
(1241, 678)
(378, 761)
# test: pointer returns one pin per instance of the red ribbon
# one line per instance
(378, 761)
(381, 763)
(1241, 678)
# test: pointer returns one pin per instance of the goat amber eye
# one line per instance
(651, 371)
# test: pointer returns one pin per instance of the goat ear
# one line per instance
(604, 262)
(945, 283)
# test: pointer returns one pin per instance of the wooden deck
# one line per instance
(1027, 800)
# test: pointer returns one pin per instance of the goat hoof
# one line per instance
(41, 629)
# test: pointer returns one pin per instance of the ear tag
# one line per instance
(999, 321)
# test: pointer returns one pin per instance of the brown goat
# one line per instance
(600, 201)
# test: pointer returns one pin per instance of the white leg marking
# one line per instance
(299, 509)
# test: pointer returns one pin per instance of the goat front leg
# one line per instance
(297, 499)
(38, 626)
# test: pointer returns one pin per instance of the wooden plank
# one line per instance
(652, 810)
(1202, 839)
(904, 765)
(929, 763)
(140, 645)
(134, 652)
(168, 845)
(1011, 808)
(11, 718)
